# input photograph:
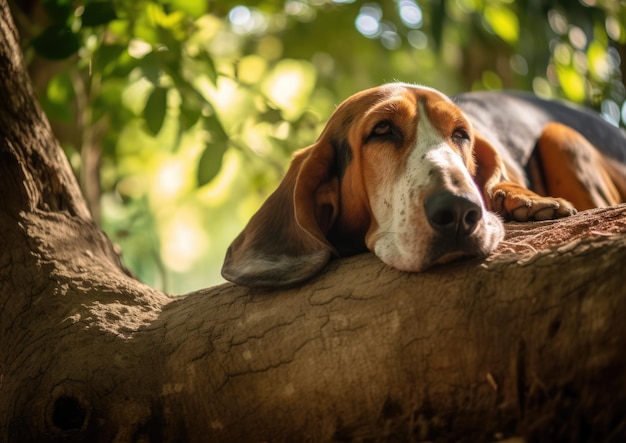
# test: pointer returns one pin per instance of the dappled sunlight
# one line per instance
(503, 21)
(599, 62)
(225, 94)
(196, 106)
(257, 137)
(252, 69)
(207, 26)
(570, 81)
(228, 96)
(170, 180)
(135, 95)
(289, 86)
(410, 13)
(247, 20)
(184, 240)
(132, 186)
(368, 20)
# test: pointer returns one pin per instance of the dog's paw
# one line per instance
(526, 206)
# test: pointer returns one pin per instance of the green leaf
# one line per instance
(151, 68)
(98, 13)
(504, 22)
(572, 83)
(56, 42)
(154, 112)
(210, 164)
(58, 94)
(190, 108)
(209, 65)
(169, 55)
(193, 8)
(113, 60)
(211, 160)
(215, 128)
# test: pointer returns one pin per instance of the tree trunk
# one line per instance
(528, 342)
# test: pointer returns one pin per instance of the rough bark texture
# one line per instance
(528, 342)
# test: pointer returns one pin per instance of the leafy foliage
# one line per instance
(194, 111)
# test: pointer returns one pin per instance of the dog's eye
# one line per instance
(461, 135)
(385, 131)
(381, 128)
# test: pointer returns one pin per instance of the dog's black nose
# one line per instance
(452, 215)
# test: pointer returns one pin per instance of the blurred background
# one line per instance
(179, 117)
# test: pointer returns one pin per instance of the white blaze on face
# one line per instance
(404, 236)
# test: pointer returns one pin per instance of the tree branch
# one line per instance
(526, 342)
(529, 341)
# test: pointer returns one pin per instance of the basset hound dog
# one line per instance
(421, 179)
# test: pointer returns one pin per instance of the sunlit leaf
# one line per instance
(60, 89)
(174, 21)
(155, 110)
(98, 13)
(504, 22)
(598, 61)
(290, 85)
(144, 27)
(251, 69)
(194, 8)
(211, 160)
(572, 83)
(209, 65)
(57, 42)
(113, 60)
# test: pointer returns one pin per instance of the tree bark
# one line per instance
(528, 342)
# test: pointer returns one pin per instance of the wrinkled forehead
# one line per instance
(388, 99)
(415, 93)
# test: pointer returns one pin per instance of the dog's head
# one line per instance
(397, 170)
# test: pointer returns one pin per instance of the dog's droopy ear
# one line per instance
(285, 242)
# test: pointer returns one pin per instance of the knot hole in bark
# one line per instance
(68, 413)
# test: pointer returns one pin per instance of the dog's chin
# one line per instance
(441, 255)
(450, 257)
(426, 264)
(423, 253)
